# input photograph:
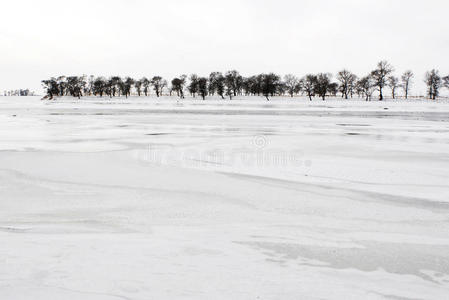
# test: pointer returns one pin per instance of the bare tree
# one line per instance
(270, 84)
(217, 84)
(108, 87)
(253, 85)
(234, 82)
(353, 84)
(333, 89)
(433, 81)
(158, 84)
(193, 86)
(99, 86)
(75, 86)
(406, 79)
(366, 87)
(115, 82)
(292, 84)
(393, 83)
(323, 84)
(347, 80)
(62, 85)
(146, 85)
(122, 88)
(178, 85)
(212, 80)
(308, 84)
(138, 87)
(127, 85)
(380, 76)
(228, 89)
(202, 87)
(51, 87)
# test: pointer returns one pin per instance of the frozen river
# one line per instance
(244, 199)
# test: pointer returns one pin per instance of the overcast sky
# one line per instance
(44, 38)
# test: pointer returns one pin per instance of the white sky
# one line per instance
(44, 38)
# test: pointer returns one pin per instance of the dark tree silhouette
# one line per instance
(248, 85)
(352, 85)
(281, 87)
(292, 84)
(51, 87)
(228, 90)
(393, 83)
(406, 79)
(75, 86)
(308, 84)
(109, 87)
(253, 85)
(202, 87)
(380, 76)
(323, 84)
(121, 87)
(158, 84)
(212, 82)
(366, 87)
(62, 85)
(238, 85)
(127, 85)
(116, 82)
(193, 85)
(347, 81)
(178, 85)
(99, 86)
(146, 85)
(234, 82)
(333, 89)
(217, 84)
(270, 84)
(433, 82)
(138, 87)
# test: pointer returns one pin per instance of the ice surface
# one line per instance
(146, 198)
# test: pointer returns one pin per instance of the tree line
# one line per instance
(21, 92)
(232, 84)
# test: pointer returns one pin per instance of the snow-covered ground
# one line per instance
(218, 199)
